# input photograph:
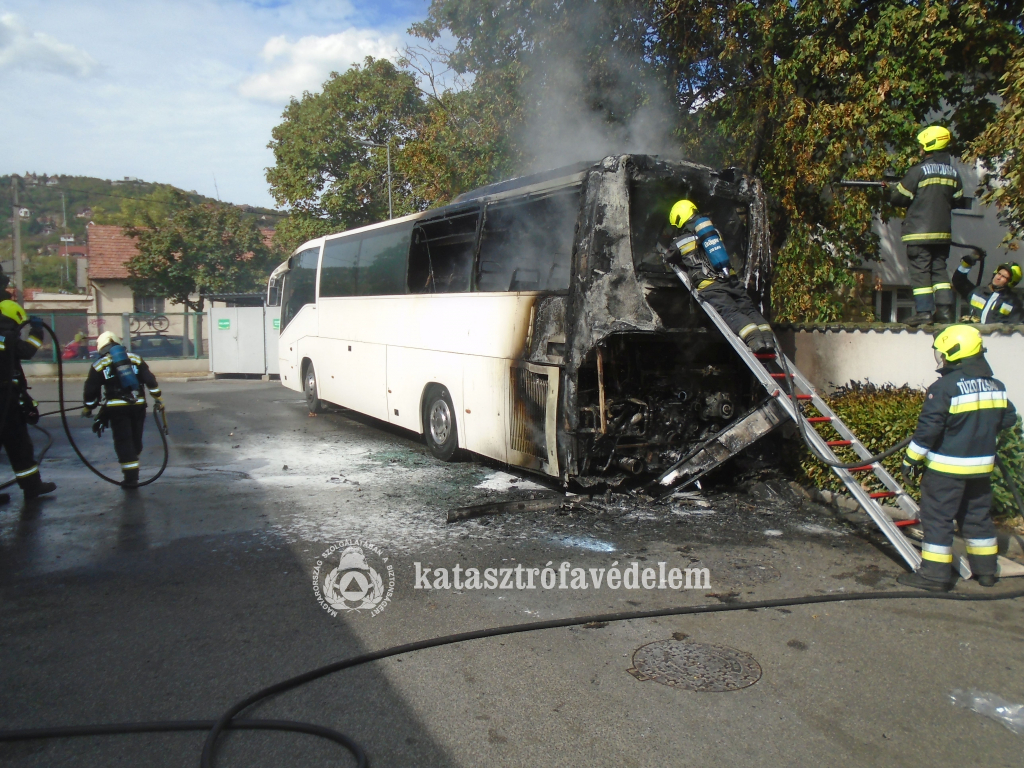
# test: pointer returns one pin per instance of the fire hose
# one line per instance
(803, 426)
(229, 721)
(159, 416)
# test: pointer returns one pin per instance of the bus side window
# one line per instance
(338, 272)
(299, 284)
(441, 258)
(382, 260)
(526, 244)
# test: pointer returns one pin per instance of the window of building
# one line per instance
(152, 305)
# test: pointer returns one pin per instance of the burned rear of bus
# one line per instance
(645, 378)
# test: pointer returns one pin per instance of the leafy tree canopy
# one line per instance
(799, 92)
(198, 249)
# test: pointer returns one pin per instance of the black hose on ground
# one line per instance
(71, 439)
(227, 720)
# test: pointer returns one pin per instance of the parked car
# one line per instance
(74, 350)
(162, 345)
(150, 345)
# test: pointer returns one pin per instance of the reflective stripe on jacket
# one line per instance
(987, 305)
(964, 412)
(102, 383)
(929, 192)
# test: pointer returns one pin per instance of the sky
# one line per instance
(183, 92)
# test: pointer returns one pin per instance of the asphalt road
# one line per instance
(177, 600)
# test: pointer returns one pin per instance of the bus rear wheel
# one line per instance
(313, 402)
(439, 428)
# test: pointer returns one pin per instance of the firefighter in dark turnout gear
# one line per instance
(929, 192)
(697, 247)
(993, 303)
(955, 444)
(17, 408)
(121, 396)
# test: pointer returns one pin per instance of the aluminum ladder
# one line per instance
(868, 501)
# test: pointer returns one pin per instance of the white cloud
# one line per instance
(305, 64)
(21, 49)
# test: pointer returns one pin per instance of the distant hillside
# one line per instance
(85, 199)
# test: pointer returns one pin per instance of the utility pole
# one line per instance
(16, 222)
(63, 238)
(391, 214)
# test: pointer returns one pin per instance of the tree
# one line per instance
(198, 249)
(1001, 146)
(809, 92)
(323, 171)
(799, 92)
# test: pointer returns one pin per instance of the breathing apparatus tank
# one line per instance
(125, 371)
(713, 246)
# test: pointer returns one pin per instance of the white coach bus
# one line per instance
(530, 321)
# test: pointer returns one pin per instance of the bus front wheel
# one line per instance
(313, 402)
(439, 426)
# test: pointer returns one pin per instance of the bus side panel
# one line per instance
(356, 372)
(485, 384)
(409, 371)
(295, 343)
(363, 367)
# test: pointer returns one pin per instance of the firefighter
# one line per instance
(993, 303)
(697, 247)
(18, 408)
(929, 192)
(117, 383)
(955, 446)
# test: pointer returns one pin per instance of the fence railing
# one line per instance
(167, 335)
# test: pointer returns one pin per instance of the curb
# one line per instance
(1011, 543)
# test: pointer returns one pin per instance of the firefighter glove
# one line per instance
(36, 322)
(86, 412)
(969, 259)
(910, 472)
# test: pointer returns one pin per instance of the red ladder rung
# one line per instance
(861, 469)
(882, 495)
(819, 419)
(778, 375)
(804, 397)
(765, 355)
(833, 443)
(905, 523)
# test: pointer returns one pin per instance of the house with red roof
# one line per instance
(109, 252)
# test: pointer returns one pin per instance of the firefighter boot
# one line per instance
(944, 314)
(984, 569)
(921, 318)
(131, 479)
(34, 487)
(931, 576)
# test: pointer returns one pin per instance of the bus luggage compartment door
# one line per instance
(533, 416)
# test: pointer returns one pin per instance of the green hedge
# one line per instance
(882, 416)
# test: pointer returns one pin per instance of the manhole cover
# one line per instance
(695, 666)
